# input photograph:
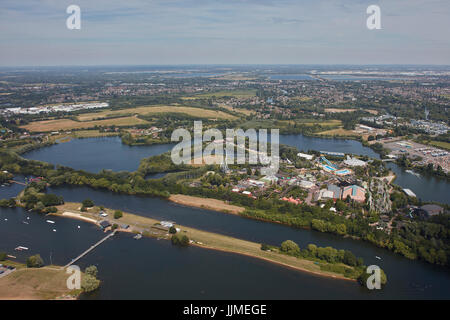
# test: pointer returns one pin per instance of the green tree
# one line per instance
(2, 256)
(39, 207)
(35, 261)
(118, 214)
(349, 258)
(290, 247)
(88, 203)
(172, 230)
(180, 240)
(89, 283)
(92, 271)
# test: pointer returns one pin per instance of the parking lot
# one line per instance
(429, 154)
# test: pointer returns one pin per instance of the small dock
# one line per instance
(90, 249)
(21, 183)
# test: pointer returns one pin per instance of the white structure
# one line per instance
(306, 184)
(55, 108)
(353, 162)
(167, 224)
(409, 192)
(305, 156)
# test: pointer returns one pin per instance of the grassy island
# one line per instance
(208, 240)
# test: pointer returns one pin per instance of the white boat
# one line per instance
(50, 221)
(25, 222)
(20, 248)
(413, 173)
(79, 227)
(54, 230)
(378, 257)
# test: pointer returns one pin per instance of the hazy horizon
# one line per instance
(219, 32)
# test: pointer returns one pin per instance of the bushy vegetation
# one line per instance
(89, 281)
(180, 240)
(35, 261)
(329, 259)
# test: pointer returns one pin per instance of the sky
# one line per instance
(163, 32)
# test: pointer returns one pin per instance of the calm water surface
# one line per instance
(95, 154)
(158, 270)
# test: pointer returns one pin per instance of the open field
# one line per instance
(308, 122)
(339, 132)
(34, 284)
(207, 240)
(301, 98)
(206, 203)
(440, 144)
(68, 124)
(240, 94)
(82, 134)
(239, 110)
(197, 112)
(335, 110)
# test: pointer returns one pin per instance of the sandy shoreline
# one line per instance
(218, 242)
(206, 203)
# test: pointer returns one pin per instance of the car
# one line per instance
(1, 271)
(10, 267)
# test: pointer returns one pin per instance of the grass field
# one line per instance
(308, 122)
(339, 132)
(207, 203)
(68, 124)
(440, 144)
(336, 110)
(34, 284)
(239, 110)
(197, 112)
(301, 98)
(81, 134)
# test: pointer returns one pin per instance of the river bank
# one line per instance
(206, 203)
(203, 239)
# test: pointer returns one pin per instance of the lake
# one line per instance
(95, 154)
(152, 269)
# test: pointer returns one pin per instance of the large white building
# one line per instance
(353, 162)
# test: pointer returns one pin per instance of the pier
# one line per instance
(90, 249)
(21, 183)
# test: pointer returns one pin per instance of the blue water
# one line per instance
(95, 154)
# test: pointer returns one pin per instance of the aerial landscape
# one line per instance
(263, 177)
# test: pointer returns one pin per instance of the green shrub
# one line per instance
(35, 261)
